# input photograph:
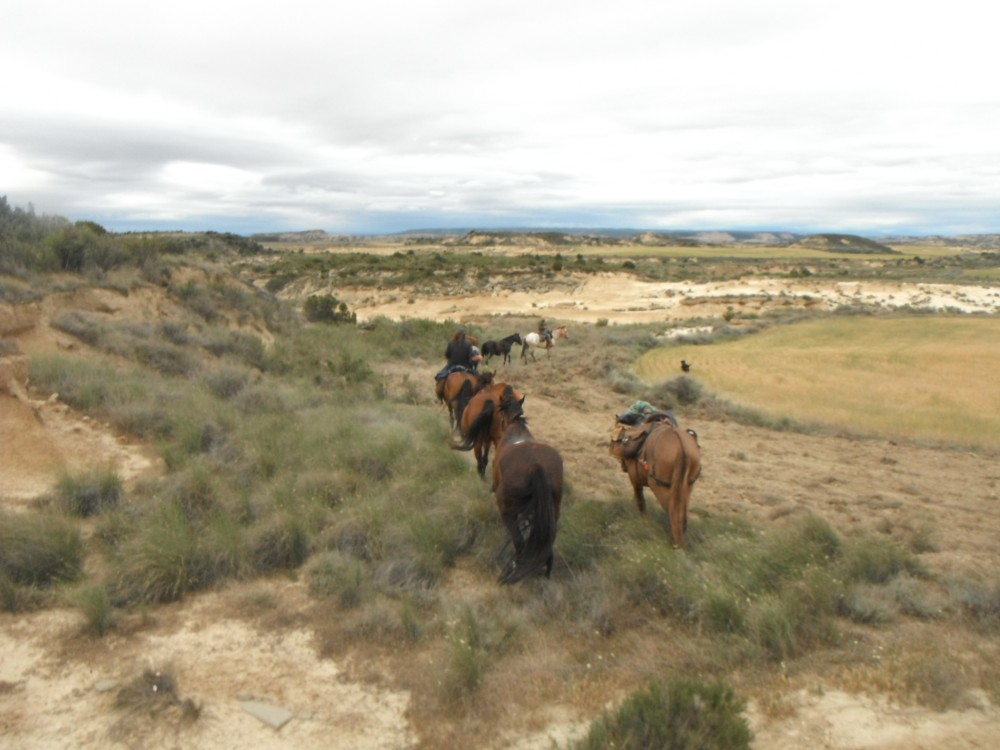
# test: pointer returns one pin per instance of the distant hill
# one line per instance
(556, 237)
(844, 243)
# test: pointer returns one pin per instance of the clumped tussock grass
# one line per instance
(162, 561)
(95, 605)
(781, 592)
(683, 713)
(89, 493)
(39, 549)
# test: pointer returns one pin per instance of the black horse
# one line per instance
(501, 347)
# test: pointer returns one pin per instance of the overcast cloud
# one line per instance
(864, 116)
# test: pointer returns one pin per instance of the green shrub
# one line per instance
(89, 494)
(39, 549)
(8, 594)
(163, 561)
(95, 605)
(681, 714)
(282, 544)
(327, 309)
(338, 576)
(878, 560)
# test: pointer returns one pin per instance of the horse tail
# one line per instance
(680, 492)
(537, 550)
(479, 425)
(462, 400)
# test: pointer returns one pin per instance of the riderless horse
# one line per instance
(502, 347)
(528, 486)
(665, 458)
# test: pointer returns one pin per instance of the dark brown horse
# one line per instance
(501, 347)
(665, 458)
(479, 421)
(449, 388)
(528, 484)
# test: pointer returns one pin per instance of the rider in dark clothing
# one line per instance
(459, 351)
(458, 354)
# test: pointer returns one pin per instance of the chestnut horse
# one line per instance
(479, 421)
(449, 388)
(665, 458)
(528, 485)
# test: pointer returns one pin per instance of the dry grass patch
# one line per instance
(923, 378)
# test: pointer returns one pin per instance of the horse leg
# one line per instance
(638, 485)
(639, 497)
(510, 520)
(482, 457)
(678, 521)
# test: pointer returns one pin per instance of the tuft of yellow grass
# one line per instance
(925, 378)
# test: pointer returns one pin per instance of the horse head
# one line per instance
(511, 407)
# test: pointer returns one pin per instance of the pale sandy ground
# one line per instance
(621, 299)
(57, 688)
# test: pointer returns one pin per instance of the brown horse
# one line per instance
(449, 388)
(665, 458)
(479, 421)
(528, 484)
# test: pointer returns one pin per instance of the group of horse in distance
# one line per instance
(527, 474)
(545, 339)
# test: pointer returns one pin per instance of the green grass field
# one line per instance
(921, 378)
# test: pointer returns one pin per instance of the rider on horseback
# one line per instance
(459, 353)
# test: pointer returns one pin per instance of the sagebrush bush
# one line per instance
(335, 575)
(878, 560)
(680, 714)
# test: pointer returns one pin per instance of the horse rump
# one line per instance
(536, 524)
(478, 427)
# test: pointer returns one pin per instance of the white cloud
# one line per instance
(864, 116)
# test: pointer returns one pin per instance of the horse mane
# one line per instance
(511, 406)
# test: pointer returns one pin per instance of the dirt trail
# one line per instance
(57, 688)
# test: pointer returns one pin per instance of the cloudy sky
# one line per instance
(867, 116)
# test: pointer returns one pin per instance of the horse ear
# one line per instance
(521, 402)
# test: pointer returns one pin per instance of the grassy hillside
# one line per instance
(290, 452)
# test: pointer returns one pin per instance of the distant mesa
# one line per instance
(844, 243)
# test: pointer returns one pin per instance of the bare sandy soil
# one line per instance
(58, 688)
(618, 298)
